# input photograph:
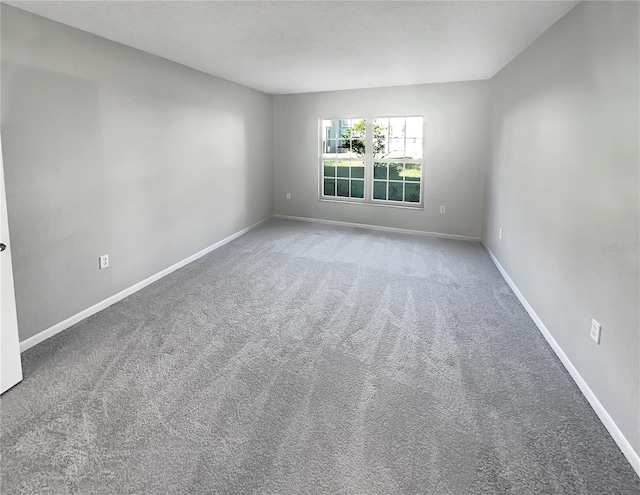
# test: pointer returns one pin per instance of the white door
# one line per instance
(10, 364)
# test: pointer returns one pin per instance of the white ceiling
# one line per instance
(296, 47)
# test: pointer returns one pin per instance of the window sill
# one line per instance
(365, 203)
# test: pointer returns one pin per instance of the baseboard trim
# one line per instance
(78, 317)
(380, 227)
(617, 435)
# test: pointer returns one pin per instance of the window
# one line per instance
(384, 169)
(397, 159)
(343, 150)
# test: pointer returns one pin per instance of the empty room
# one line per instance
(320, 247)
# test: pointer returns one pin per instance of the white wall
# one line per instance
(456, 153)
(109, 150)
(563, 183)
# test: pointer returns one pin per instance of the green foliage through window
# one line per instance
(343, 178)
(396, 158)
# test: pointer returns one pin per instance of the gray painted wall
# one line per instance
(563, 183)
(111, 150)
(456, 153)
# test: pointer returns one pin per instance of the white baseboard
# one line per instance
(72, 320)
(379, 227)
(624, 445)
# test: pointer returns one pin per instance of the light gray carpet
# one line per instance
(303, 358)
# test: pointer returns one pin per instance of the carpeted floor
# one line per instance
(303, 358)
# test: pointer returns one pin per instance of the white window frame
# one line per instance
(369, 161)
(323, 158)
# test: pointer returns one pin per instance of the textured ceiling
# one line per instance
(295, 47)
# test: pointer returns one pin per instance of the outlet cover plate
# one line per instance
(596, 329)
(103, 261)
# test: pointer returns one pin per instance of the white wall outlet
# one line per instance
(443, 209)
(103, 261)
(596, 329)
(288, 195)
(500, 233)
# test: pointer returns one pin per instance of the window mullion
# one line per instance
(368, 160)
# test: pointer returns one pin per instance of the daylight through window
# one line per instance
(343, 158)
(384, 169)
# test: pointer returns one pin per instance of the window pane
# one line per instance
(343, 187)
(381, 126)
(412, 171)
(343, 127)
(414, 127)
(329, 169)
(396, 148)
(412, 192)
(329, 187)
(395, 171)
(343, 169)
(357, 170)
(414, 149)
(358, 129)
(396, 127)
(331, 146)
(379, 189)
(379, 170)
(380, 138)
(357, 189)
(395, 191)
(330, 129)
(343, 148)
(380, 147)
(358, 148)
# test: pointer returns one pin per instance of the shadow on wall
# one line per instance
(257, 186)
(564, 186)
(96, 170)
(109, 150)
(56, 194)
(181, 160)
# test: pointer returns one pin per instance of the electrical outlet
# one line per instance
(288, 195)
(596, 329)
(443, 209)
(103, 261)
(500, 233)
